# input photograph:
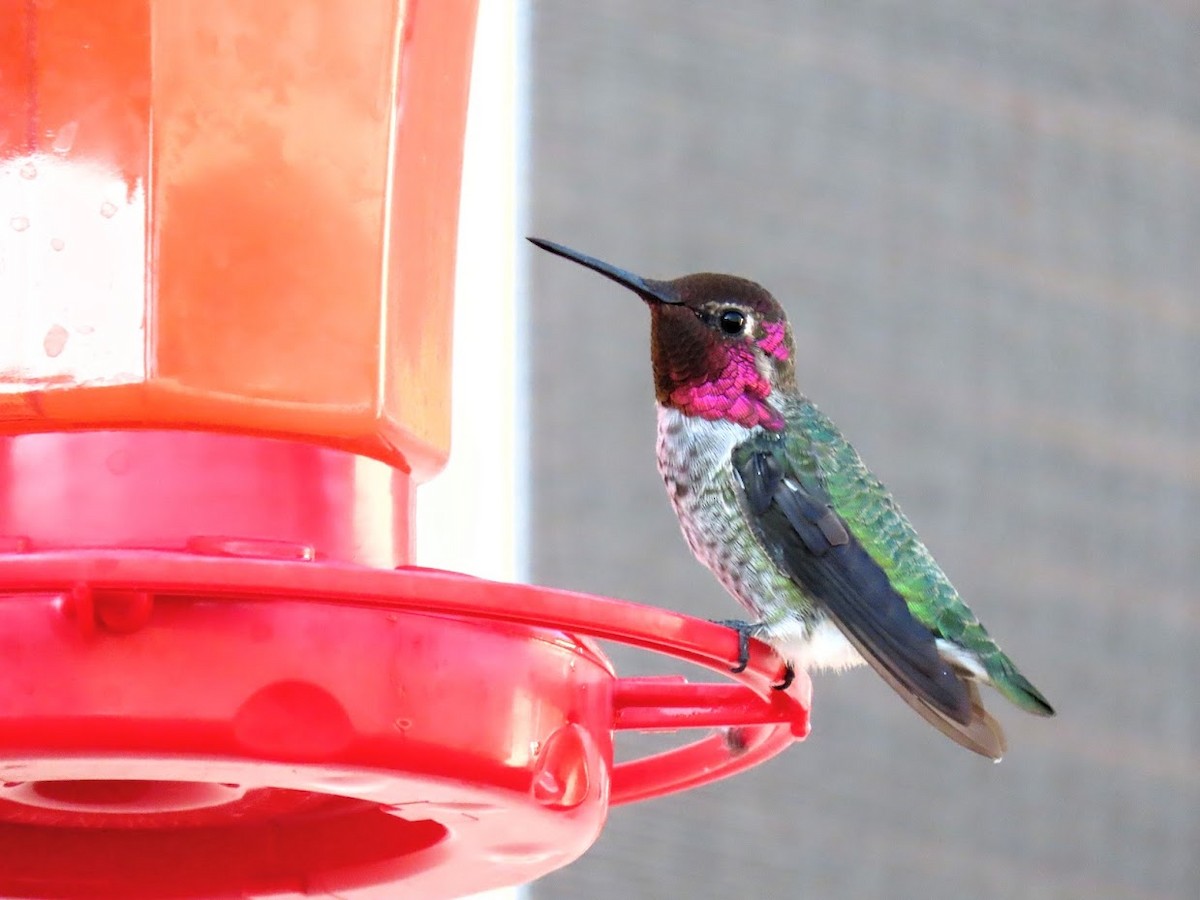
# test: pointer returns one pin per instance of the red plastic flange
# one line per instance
(281, 725)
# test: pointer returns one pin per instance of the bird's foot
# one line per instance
(745, 631)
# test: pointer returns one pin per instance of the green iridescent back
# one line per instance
(820, 456)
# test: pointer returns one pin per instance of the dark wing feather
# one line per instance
(798, 526)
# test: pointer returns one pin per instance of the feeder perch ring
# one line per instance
(294, 754)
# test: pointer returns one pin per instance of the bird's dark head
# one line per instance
(720, 345)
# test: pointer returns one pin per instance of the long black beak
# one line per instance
(647, 288)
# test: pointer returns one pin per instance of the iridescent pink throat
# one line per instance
(739, 394)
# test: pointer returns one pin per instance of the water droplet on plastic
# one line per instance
(18, 223)
(29, 171)
(57, 243)
(55, 340)
(108, 210)
(65, 137)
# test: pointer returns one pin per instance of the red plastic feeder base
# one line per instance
(265, 715)
(176, 725)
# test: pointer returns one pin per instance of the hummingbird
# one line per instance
(779, 506)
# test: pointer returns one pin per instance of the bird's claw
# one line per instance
(789, 675)
(744, 631)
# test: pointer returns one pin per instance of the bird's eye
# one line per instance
(732, 321)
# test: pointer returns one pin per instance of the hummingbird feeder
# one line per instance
(227, 236)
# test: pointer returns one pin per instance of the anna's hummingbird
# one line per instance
(779, 506)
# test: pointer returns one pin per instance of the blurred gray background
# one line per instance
(984, 220)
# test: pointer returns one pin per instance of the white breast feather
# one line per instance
(809, 646)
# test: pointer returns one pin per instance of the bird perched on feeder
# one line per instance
(779, 506)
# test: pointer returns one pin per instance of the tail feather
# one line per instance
(971, 726)
(994, 668)
(1020, 691)
(979, 733)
